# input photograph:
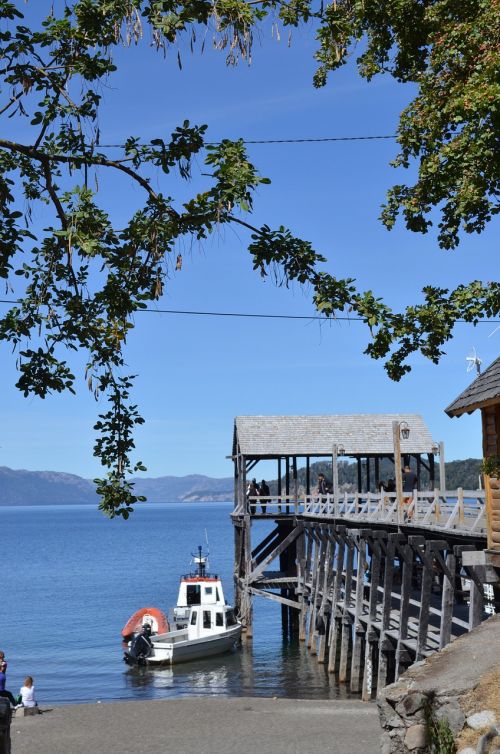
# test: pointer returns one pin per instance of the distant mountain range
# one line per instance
(20, 487)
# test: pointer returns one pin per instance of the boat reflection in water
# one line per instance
(253, 670)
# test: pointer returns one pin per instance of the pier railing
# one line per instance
(461, 511)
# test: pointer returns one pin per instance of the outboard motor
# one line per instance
(140, 647)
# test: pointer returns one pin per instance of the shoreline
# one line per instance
(201, 725)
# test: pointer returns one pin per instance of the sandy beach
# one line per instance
(201, 725)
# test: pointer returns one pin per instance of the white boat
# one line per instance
(204, 624)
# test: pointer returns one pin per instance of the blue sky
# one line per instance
(195, 374)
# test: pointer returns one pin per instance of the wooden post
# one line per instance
(369, 665)
(306, 575)
(248, 569)
(359, 631)
(426, 555)
(383, 664)
(404, 607)
(397, 469)
(476, 601)
(447, 602)
(327, 571)
(432, 471)
(308, 476)
(346, 618)
(442, 471)
(335, 480)
(335, 625)
(318, 597)
(287, 483)
(243, 482)
(419, 471)
(360, 482)
(295, 485)
(461, 512)
(280, 485)
(377, 474)
(314, 588)
(368, 480)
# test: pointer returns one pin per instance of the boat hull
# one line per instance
(180, 650)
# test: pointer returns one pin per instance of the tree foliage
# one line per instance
(82, 279)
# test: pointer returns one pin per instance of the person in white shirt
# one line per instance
(27, 693)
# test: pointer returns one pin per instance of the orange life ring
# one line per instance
(136, 622)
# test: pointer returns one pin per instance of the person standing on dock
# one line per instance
(324, 486)
(264, 495)
(252, 492)
(409, 484)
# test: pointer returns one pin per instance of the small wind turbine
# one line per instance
(473, 361)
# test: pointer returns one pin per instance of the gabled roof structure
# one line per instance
(315, 436)
(483, 392)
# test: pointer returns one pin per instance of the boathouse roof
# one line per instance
(484, 391)
(358, 434)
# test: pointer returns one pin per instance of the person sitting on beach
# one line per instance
(3, 662)
(27, 693)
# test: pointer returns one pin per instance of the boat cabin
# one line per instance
(208, 620)
(198, 589)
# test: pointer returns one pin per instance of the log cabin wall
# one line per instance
(491, 431)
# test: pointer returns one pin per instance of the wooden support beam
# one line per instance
(265, 542)
(274, 597)
(406, 555)
(296, 531)
(308, 476)
(346, 617)
(306, 570)
(359, 629)
(319, 568)
(359, 475)
(424, 551)
(383, 660)
(447, 601)
(335, 622)
(327, 571)
(371, 643)
(377, 474)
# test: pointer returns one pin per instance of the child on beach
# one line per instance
(27, 693)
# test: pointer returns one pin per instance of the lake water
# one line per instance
(71, 578)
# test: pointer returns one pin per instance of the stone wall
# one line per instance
(438, 688)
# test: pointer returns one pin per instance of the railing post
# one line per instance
(461, 513)
(437, 513)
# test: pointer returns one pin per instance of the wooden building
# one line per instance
(293, 441)
(365, 438)
(484, 394)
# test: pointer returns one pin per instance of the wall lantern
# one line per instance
(435, 449)
(404, 430)
(340, 450)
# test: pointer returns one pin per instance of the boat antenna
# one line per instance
(201, 562)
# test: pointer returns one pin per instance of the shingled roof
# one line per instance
(359, 434)
(484, 391)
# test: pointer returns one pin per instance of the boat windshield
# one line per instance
(193, 594)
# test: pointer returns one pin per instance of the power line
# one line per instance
(250, 315)
(312, 140)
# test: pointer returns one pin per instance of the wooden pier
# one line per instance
(371, 581)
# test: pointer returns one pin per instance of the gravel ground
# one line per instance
(202, 725)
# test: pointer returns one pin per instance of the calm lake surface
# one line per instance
(71, 579)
